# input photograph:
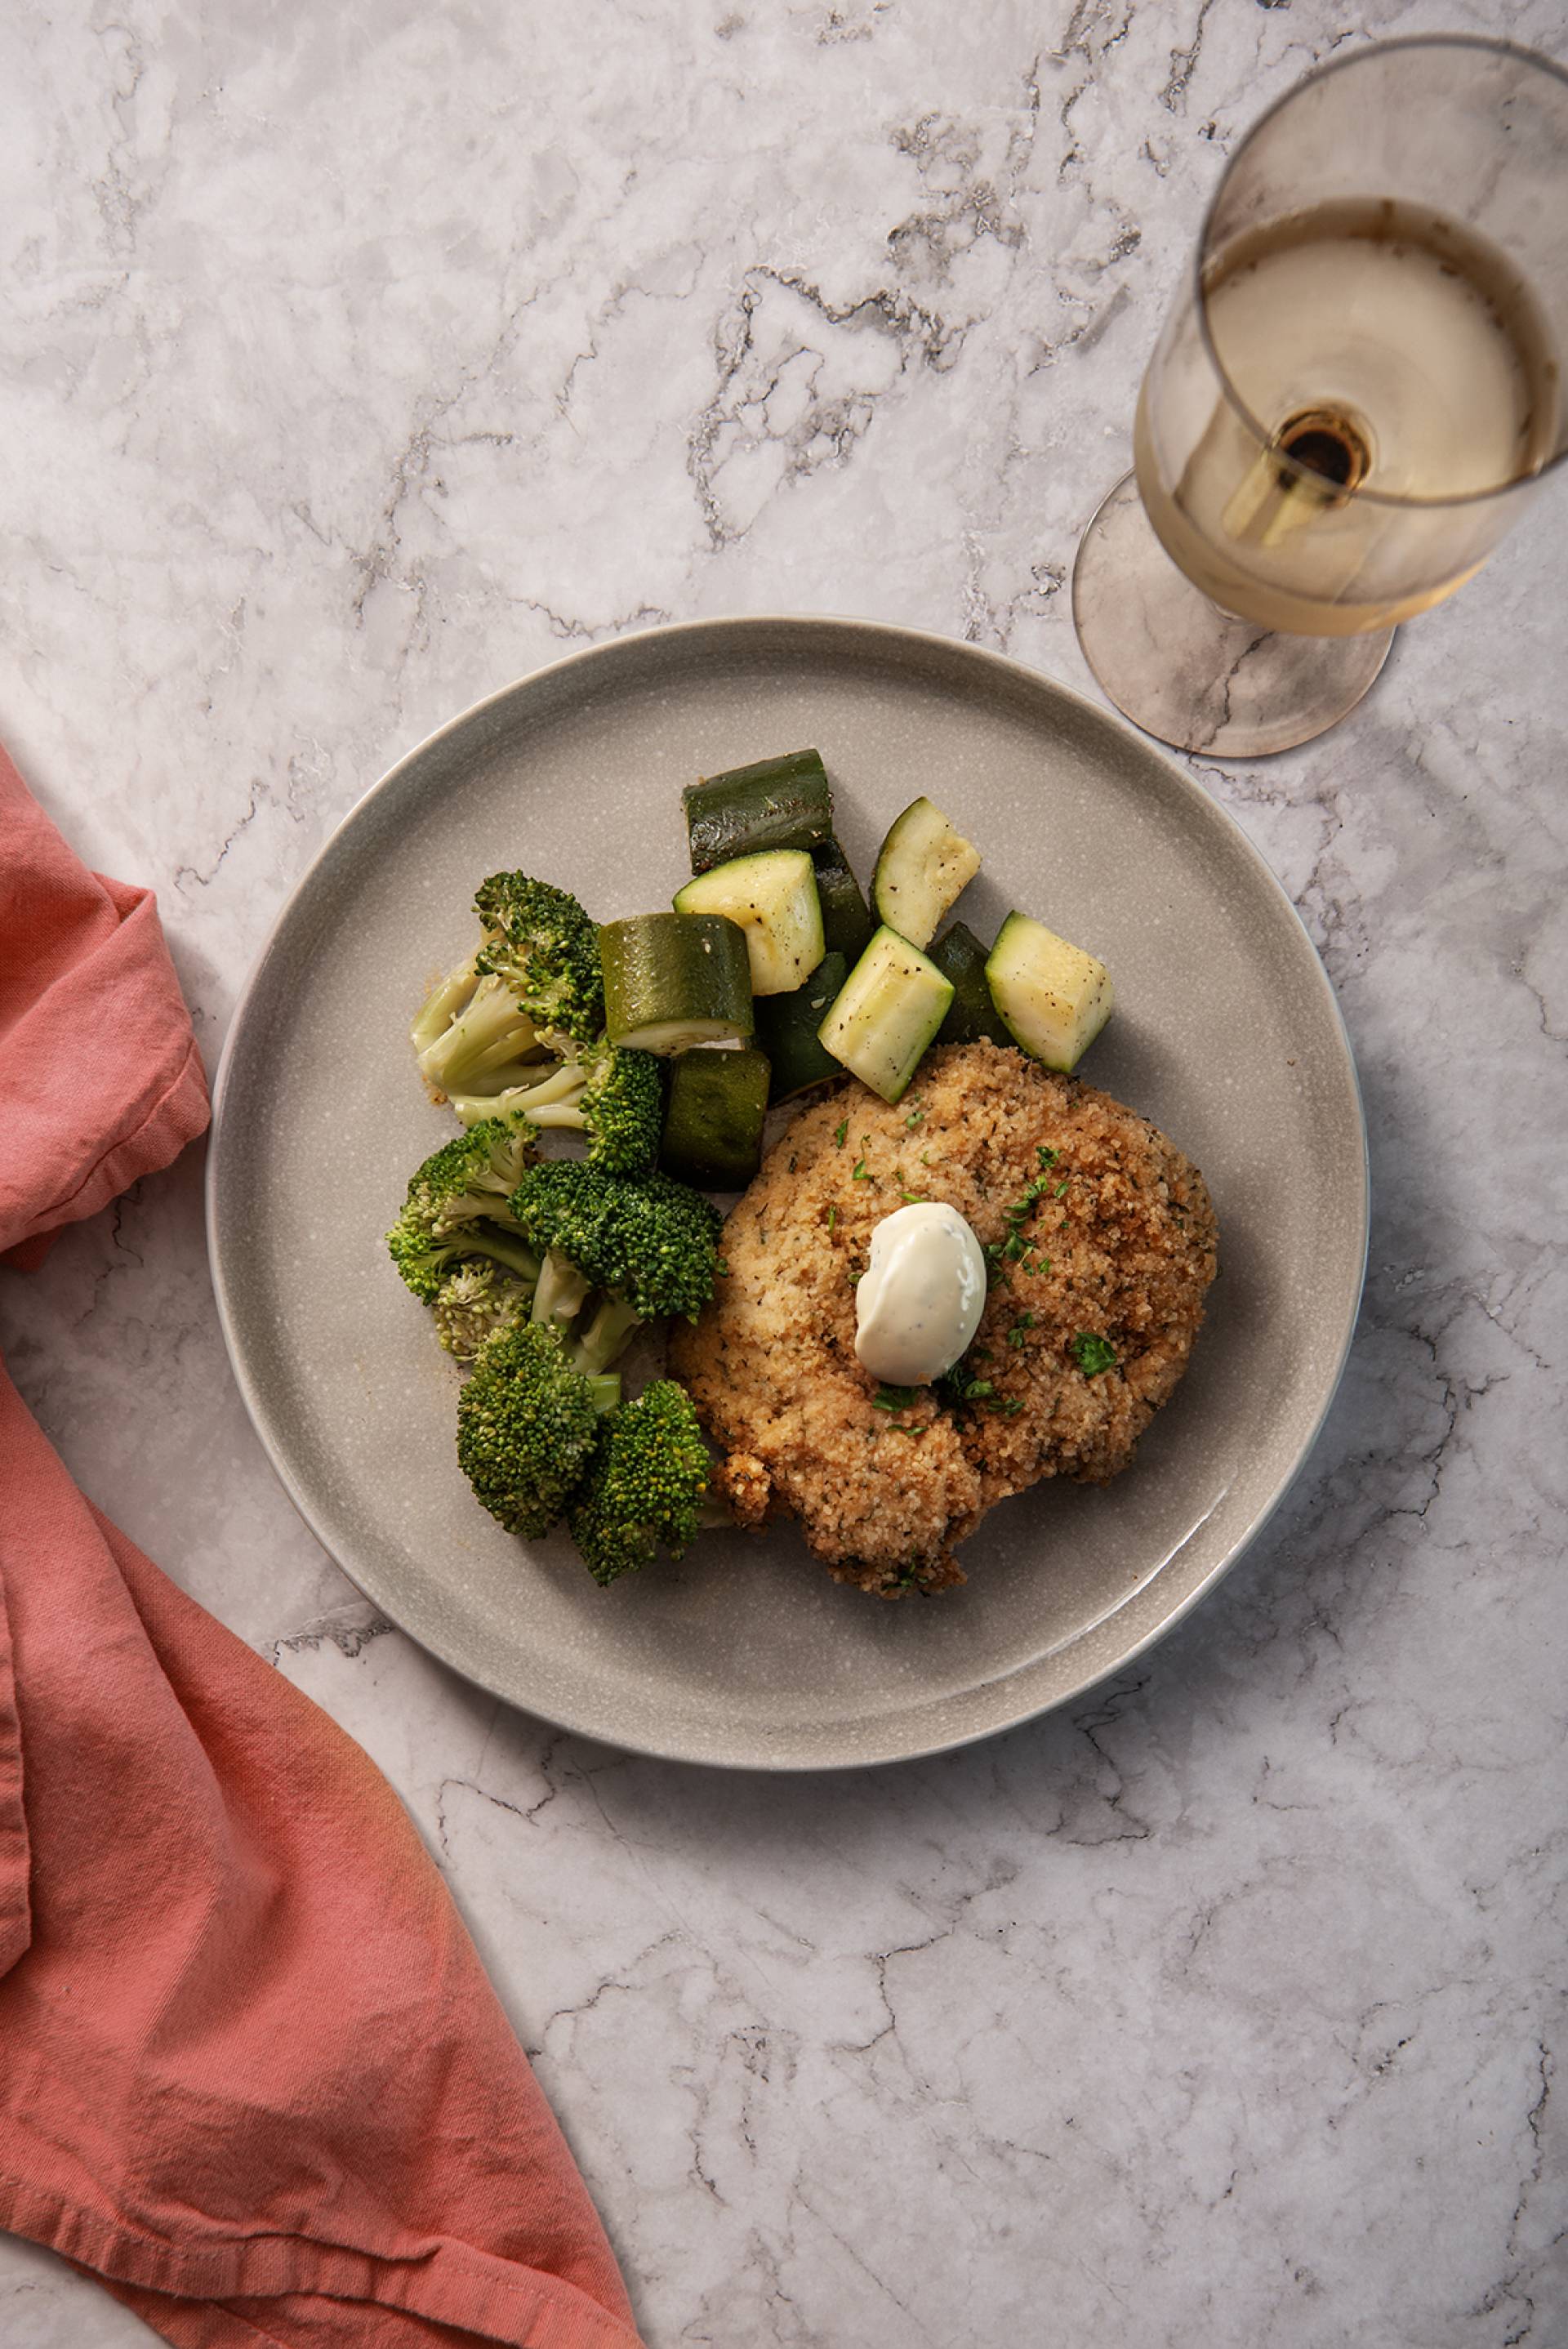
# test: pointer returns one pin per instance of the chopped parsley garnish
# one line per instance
(833, 1217)
(914, 1117)
(958, 1388)
(1010, 1404)
(859, 1173)
(1092, 1354)
(914, 1197)
(888, 1398)
(1016, 1334)
(1061, 1187)
(839, 1132)
(1047, 1157)
(1019, 1212)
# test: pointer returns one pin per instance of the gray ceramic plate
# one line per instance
(1226, 1033)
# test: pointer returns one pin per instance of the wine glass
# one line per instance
(1355, 392)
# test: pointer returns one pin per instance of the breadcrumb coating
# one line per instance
(1102, 1240)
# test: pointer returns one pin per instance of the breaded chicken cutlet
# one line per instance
(1101, 1241)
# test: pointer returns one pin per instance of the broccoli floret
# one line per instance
(542, 945)
(526, 1423)
(649, 1245)
(615, 1096)
(458, 1209)
(475, 1303)
(622, 1109)
(469, 1031)
(645, 1481)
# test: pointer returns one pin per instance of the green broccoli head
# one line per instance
(526, 1423)
(622, 1109)
(458, 1209)
(540, 942)
(652, 1242)
(644, 1484)
(475, 1303)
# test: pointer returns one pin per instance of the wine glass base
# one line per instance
(1189, 674)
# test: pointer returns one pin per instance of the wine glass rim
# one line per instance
(1322, 73)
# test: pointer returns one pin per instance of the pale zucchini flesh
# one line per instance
(1053, 997)
(924, 866)
(888, 1010)
(772, 898)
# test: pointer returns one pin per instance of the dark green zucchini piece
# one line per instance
(672, 980)
(777, 803)
(713, 1121)
(971, 1015)
(847, 925)
(787, 1028)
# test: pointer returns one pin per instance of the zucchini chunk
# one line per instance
(922, 866)
(787, 1028)
(1054, 998)
(672, 980)
(886, 1013)
(712, 1124)
(773, 898)
(777, 804)
(971, 1015)
(846, 925)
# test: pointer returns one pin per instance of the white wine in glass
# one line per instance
(1350, 401)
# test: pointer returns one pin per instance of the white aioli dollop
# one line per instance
(920, 1297)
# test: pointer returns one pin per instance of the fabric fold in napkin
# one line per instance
(252, 2075)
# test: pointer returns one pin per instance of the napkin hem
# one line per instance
(181, 1108)
(451, 2283)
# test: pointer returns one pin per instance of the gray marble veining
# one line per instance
(355, 364)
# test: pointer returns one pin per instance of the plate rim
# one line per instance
(746, 623)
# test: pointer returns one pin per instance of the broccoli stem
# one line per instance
(561, 1293)
(605, 1391)
(563, 1086)
(607, 1335)
(488, 1239)
(472, 1109)
(506, 1052)
(555, 1113)
(492, 1019)
(442, 1005)
(551, 1101)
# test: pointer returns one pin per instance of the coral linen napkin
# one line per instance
(251, 2074)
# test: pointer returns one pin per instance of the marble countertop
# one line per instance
(356, 362)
